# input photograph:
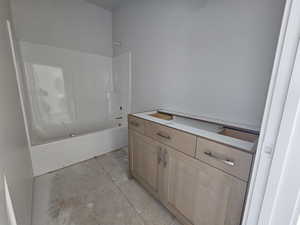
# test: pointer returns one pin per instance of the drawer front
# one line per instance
(228, 159)
(136, 124)
(179, 140)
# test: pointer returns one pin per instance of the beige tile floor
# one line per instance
(96, 192)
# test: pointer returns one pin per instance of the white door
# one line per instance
(281, 203)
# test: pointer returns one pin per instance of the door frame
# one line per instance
(275, 106)
(280, 205)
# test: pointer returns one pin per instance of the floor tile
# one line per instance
(116, 165)
(112, 208)
(78, 180)
(96, 192)
(150, 210)
(136, 195)
(156, 214)
(75, 216)
(176, 222)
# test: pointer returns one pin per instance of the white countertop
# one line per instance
(199, 128)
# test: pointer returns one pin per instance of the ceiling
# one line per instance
(106, 4)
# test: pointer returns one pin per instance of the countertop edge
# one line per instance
(242, 145)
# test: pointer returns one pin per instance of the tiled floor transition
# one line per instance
(96, 192)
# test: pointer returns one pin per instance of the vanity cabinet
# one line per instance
(201, 194)
(201, 182)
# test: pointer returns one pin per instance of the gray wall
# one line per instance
(204, 57)
(14, 155)
(70, 24)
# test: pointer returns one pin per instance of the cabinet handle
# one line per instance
(225, 161)
(159, 155)
(134, 124)
(163, 135)
(165, 158)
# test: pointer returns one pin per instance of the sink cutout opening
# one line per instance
(163, 116)
(245, 136)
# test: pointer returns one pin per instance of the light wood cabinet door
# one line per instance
(201, 194)
(144, 160)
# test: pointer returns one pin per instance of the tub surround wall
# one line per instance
(121, 68)
(85, 78)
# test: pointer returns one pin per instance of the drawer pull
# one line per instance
(225, 161)
(134, 124)
(159, 158)
(163, 135)
(165, 158)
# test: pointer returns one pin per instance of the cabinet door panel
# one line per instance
(144, 156)
(201, 193)
(136, 124)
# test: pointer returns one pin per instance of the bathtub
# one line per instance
(55, 144)
(58, 154)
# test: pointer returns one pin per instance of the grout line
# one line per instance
(132, 206)
(123, 194)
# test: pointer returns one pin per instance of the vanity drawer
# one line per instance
(228, 159)
(136, 124)
(179, 140)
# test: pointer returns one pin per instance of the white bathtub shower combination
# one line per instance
(76, 104)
